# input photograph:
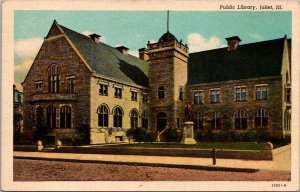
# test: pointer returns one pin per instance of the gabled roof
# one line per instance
(108, 61)
(262, 59)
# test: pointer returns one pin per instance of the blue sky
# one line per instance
(200, 30)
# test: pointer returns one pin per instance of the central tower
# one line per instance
(167, 80)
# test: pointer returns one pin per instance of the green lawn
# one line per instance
(233, 146)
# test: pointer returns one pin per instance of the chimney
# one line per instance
(233, 43)
(123, 49)
(95, 37)
(142, 54)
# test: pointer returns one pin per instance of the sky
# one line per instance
(200, 30)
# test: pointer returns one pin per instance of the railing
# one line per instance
(54, 97)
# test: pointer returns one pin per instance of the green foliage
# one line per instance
(84, 134)
(130, 134)
(17, 127)
(172, 135)
(150, 137)
(40, 132)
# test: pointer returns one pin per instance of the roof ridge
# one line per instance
(260, 42)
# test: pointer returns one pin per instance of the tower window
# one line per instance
(181, 94)
(161, 92)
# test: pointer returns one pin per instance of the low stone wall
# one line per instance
(204, 153)
(27, 148)
(181, 152)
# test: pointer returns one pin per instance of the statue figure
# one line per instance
(188, 111)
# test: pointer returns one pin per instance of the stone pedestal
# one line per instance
(188, 133)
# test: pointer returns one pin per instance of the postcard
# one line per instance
(150, 95)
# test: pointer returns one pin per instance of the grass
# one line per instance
(206, 145)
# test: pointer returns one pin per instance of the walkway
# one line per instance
(281, 161)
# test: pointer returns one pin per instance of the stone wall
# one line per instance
(125, 103)
(228, 105)
(56, 50)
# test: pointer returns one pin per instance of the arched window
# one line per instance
(51, 117)
(39, 116)
(198, 120)
(161, 121)
(145, 119)
(216, 120)
(53, 78)
(287, 78)
(65, 117)
(118, 115)
(161, 92)
(287, 120)
(240, 119)
(134, 118)
(261, 118)
(102, 116)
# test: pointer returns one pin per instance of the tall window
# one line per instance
(181, 94)
(71, 84)
(240, 119)
(198, 120)
(39, 116)
(287, 120)
(215, 96)
(134, 118)
(103, 89)
(145, 119)
(240, 93)
(288, 95)
(261, 117)
(65, 117)
(118, 92)
(51, 117)
(261, 92)
(118, 115)
(198, 97)
(161, 92)
(216, 120)
(53, 78)
(102, 116)
(133, 96)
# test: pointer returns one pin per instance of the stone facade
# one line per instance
(63, 81)
(168, 68)
(57, 50)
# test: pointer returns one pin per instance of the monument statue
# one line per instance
(188, 111)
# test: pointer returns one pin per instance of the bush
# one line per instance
(130, 134)
(84, 134)
(172, 135)
(139, 135)
(236, 137)
(150, 137)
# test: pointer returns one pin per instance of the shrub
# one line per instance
(172, 135)
(84, 134)
(150, 137)
(236, 137)
(130, 134)
(139, 135)
(199, 136)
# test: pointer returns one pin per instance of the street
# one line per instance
(43, 170)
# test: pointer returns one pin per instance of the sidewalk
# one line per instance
(281, 160)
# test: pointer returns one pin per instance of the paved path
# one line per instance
(281, 161)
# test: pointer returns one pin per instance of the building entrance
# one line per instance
(161, 121)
